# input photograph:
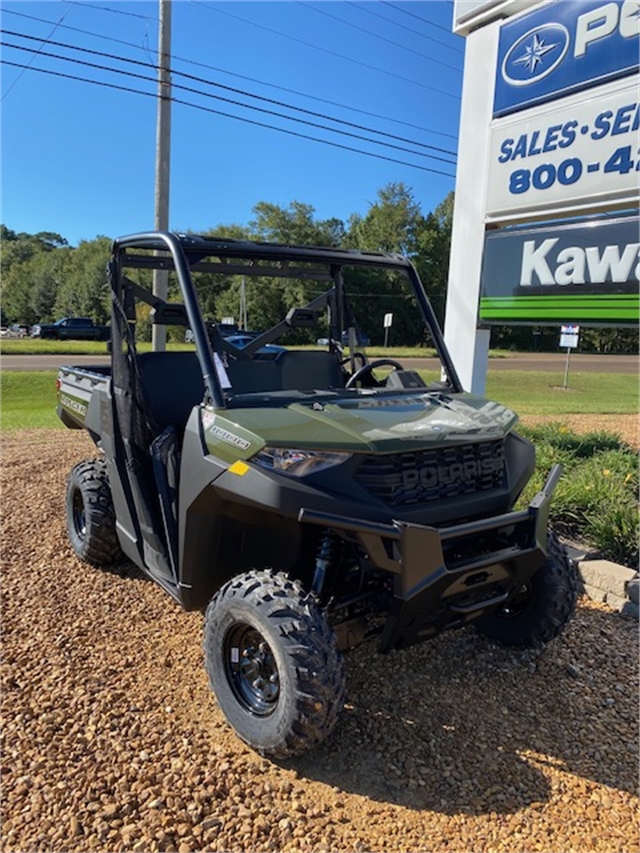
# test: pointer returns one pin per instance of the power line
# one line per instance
(236, 91)
(326, 50)
(176, 58)
(413, 15)
(365, 7)
(221, 98)
(202, 108)
(13, 83)
(114, 11)
(375, 35)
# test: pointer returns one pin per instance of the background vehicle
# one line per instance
(72, 329)
(241, 340)
(16, 330)
(307, 500)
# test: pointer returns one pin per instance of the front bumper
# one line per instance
(446, 577)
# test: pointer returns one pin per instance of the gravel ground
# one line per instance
(112, 741)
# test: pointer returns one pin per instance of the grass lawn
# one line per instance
(541, 393)
(29, 398)
(34, 346)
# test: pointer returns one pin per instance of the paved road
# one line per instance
(580, 362)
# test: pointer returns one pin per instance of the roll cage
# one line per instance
(187, 254)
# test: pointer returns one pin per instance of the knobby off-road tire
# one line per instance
(273, 664)
(542, 609)
(91, 520)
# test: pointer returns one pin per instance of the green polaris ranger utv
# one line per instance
(305, 497)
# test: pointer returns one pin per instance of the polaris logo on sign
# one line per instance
(535, 54)
(562, 48)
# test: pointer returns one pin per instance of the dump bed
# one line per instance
(76, 386)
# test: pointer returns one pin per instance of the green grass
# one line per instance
(35, 346)
(597, 497)
(541, 393)
(29, 400)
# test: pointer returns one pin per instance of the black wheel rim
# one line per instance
(251, 669)
(78, 514)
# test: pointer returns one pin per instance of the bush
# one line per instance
(597, 497)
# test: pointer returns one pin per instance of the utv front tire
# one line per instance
(91, 521)
(540, 611)
(273, 664)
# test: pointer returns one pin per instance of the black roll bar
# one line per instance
(161, 240)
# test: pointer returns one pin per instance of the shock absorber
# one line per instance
(324, 556)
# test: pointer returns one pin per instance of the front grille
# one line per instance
(433, 475)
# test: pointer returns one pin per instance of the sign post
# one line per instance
(388, 322)
(569, 335)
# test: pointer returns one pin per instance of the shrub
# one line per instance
(596, 498)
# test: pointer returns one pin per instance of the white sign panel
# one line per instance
(388, 320)
(582, 153)
(569, 335)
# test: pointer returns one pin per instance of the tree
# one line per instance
(83, 290)
(391, 224)
(433, 252)
(295, 225)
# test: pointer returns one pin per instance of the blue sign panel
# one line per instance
(564, 47)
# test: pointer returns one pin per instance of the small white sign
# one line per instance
(388, 320)
(569, 336)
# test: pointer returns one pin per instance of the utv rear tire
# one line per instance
(542, 609)
(273, 664)
(91, 520)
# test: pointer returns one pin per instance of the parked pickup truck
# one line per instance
(307, 499)
(72, 329)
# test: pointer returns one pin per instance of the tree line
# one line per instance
(44, 278)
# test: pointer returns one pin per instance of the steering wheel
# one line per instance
(357, 356)
(366, 369)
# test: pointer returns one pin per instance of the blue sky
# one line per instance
(79, 158)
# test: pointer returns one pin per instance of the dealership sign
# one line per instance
(562, 48)
(585, 272)
(580, 152)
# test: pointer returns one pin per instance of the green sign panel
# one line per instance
(583, 272)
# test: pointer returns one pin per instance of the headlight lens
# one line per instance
(298, 463)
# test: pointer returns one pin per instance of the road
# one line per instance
(552, 362)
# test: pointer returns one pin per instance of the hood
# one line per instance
(371, 422)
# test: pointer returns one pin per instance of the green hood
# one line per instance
(367, 423)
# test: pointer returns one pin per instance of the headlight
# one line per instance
(298, 463)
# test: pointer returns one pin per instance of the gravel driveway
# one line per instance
(112, 741)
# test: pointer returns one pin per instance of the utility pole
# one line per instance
(163, 152)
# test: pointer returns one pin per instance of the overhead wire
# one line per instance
(366, 7)
(326, 50)
(376, 35)
(35, 53)
(244, 119)
(196, 63)
(236, 91)
(413, 15)
(114, 11)
(192, 90)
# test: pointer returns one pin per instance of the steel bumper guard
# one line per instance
(448, 576)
